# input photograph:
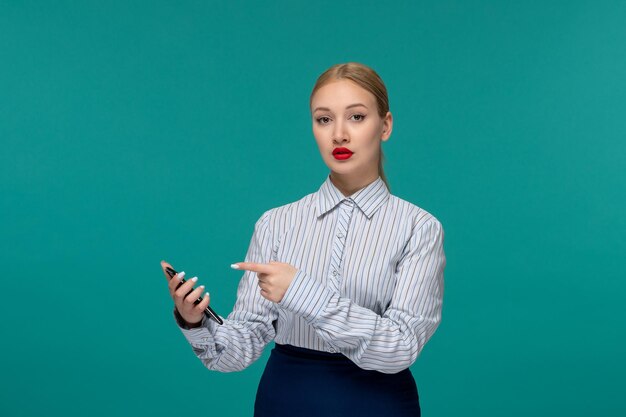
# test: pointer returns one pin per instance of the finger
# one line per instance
(175, 282)
(265, 294)
(185, 288)
(264, 286)
(194, 295)
(252, 266)
(165, 265)
(204, 303)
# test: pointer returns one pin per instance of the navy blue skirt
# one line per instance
(303, 382)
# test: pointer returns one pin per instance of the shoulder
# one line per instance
(288, 213)
(423, 229)
(415, 215)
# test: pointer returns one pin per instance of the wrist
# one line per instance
(184, 323)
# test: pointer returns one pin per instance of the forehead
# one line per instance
(342, 93)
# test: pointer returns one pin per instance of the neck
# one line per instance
(349, 185)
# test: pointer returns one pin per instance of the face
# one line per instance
(348, 129)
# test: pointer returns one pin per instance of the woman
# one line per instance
(348, 280)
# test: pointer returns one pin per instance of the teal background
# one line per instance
(138, 131)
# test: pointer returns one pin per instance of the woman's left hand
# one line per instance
(274, 277)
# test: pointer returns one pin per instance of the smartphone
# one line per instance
(208, 311)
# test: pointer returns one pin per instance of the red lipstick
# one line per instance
(342, 153)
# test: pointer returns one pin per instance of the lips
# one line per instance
(342, 153)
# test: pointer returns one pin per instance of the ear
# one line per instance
(387, 126)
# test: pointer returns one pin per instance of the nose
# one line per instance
(339, 134)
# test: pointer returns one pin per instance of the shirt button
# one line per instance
(334, 273)
(339, 235)
(332, 350)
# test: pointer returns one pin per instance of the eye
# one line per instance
(358, 117)
(323, 120)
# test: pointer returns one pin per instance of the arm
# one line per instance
(392, 342)
(241, 339)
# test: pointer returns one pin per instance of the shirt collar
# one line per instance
(368, 199)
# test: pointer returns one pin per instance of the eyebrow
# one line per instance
(348, 107)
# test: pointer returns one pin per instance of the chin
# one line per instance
(342, 170)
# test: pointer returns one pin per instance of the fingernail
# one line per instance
(181, 275)
(201, 286)
(234, 266)
(206, 294)
(194, 279)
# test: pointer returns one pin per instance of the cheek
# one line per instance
(373, 147)
(319, 138)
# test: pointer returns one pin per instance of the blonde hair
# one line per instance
(366, 78)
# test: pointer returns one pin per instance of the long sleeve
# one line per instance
(391, 342)
(249, 327)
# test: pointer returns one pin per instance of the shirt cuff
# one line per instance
(305, 297)
(198, 335)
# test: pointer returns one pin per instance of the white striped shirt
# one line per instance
(369, 283)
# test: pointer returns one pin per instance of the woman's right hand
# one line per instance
(184, 299)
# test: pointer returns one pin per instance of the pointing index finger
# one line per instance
(252, 266)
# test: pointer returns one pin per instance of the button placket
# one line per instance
(344, 215)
